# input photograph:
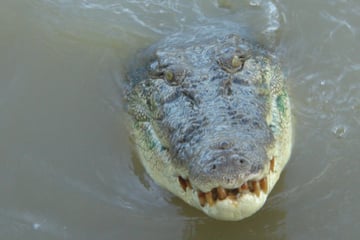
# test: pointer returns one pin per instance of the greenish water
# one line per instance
(67, 170)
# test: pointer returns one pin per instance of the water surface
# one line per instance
(67, 168)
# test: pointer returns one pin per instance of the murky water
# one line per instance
(67, 170)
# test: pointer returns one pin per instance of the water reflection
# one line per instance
(66, 168)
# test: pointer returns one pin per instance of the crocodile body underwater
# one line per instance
(211, 121)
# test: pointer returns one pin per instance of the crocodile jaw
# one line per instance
(244, 204)
(230, 209)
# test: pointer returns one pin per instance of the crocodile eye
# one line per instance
(169, 76)
(222, 145)
(175, 75)
(236, 61)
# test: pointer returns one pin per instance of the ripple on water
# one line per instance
(340, 131)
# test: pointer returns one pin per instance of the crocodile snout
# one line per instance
(227, 168)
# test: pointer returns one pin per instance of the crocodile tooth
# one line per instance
(183, 183)
(215, 194)
(236, 61)
(250, 186)
(232, 194)
(243, 187)
(209, 198)
(272, 164)
(264, 184)
(202, 199)
(256, 188)
(221, 193)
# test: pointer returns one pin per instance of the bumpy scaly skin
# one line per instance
(211, 121)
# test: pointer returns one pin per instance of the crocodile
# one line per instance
(211, 120)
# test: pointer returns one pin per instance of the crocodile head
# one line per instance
(211, 121)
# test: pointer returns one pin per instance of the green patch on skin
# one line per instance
(281, 102)
(151, 144)
(150, 139)
(136, 125)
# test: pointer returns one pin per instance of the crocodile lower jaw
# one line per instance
(219, 193)
(232, 204)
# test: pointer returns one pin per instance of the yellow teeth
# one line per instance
(264, 184)
(256, 188)
(182, 183)
(209, 198)
(244, 187)
(202, 199)
(272, 164)
(219, 193)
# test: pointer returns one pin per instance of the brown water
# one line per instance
(66, 166)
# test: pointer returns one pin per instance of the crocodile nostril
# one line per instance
(238, 160)
(223, 145)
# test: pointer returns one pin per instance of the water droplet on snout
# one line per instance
(339, 131)
(36, 226)
(255, 3)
